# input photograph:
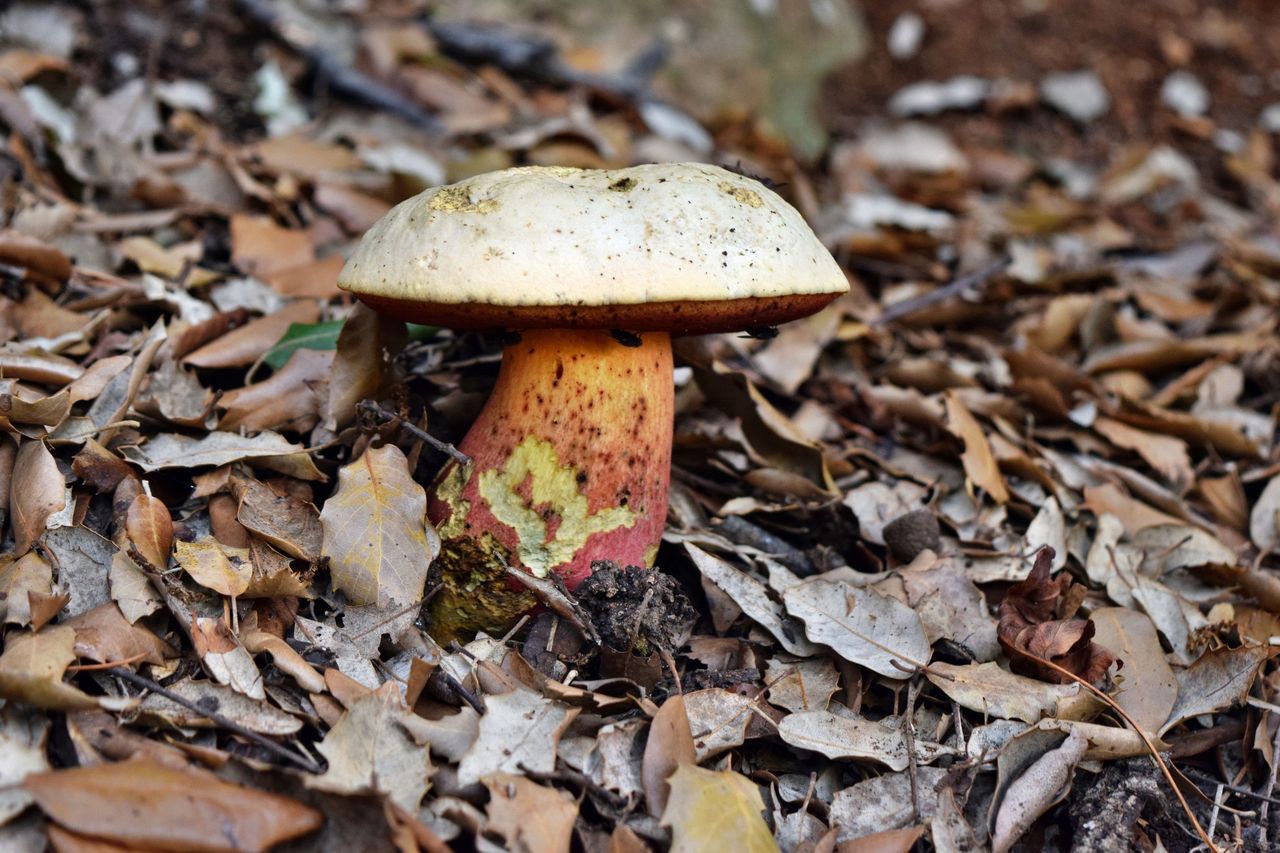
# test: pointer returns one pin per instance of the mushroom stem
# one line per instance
(571, 459)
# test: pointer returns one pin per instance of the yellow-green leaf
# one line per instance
(376, 534)
(707, 807)
(209, 565)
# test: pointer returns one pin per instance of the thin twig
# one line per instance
(369, 407)
(942, 294)
(223, 722)
(1155, 754)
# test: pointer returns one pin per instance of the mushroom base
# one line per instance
(571, 458)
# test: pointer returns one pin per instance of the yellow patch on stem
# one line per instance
(552, 484)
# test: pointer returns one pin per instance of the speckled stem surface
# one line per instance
(571, 463)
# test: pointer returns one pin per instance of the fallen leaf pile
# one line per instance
(982, 556)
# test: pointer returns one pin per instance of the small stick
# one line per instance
(368, 407)
(230, 725)
(942, 294)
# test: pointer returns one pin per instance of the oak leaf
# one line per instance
(376, 534)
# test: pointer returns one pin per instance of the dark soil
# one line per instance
(636, 609)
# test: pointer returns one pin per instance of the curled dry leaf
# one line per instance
(367, 345)
(669, 746)
(213, 566)
(979, 462)
(225, 658)
(1035, 790)
(707, 807)
(172, 450)
(1036, 622)
(291, 399)
(861, 625)
(290, 524)
(153, 806)
(1264, 518)
(38, 491)
(376, 534)
(150, 529)
(752, 597)
(987, 689)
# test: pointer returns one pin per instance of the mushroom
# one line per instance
(571, 453)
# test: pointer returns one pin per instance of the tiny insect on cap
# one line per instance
(681, 247)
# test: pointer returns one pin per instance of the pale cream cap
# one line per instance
(685, 247)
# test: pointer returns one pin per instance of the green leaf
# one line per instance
(317, 336)
(323, 336)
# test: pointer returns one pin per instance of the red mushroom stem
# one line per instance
(571, 459)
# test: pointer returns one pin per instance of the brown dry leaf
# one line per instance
(289, 524)
(1042, 784)
(31, 670)
(518, 734)
(1219, 679)
(668, 747)
(369, 752)
(769, 432)
(718, 719)
(172, 450)
(315, 280)
(150, 529)
(1036, 622)
(1264, 518)
(888, 841)
(753, 598)
(19, 579)
(1148, 689)
(861, 625)
(38, 490)
(376, 535)
(979, 462)
(1166, 454)
(46, 265)
(1109, 498)
(530, 818)
(887, 801)
(154, 806)
(849, 736)
(130, 588)
(245, 345)
(99, 468)
(291, 399)
(990, 690)
(225, 658)
(707, 807)
(104, 635)
(367, 346)
(213, 567)
(260, 247)
(800, 684)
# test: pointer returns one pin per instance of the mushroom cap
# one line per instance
(680, 247)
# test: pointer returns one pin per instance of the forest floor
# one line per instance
(985, 555)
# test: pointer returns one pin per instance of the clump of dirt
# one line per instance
(636, 609)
